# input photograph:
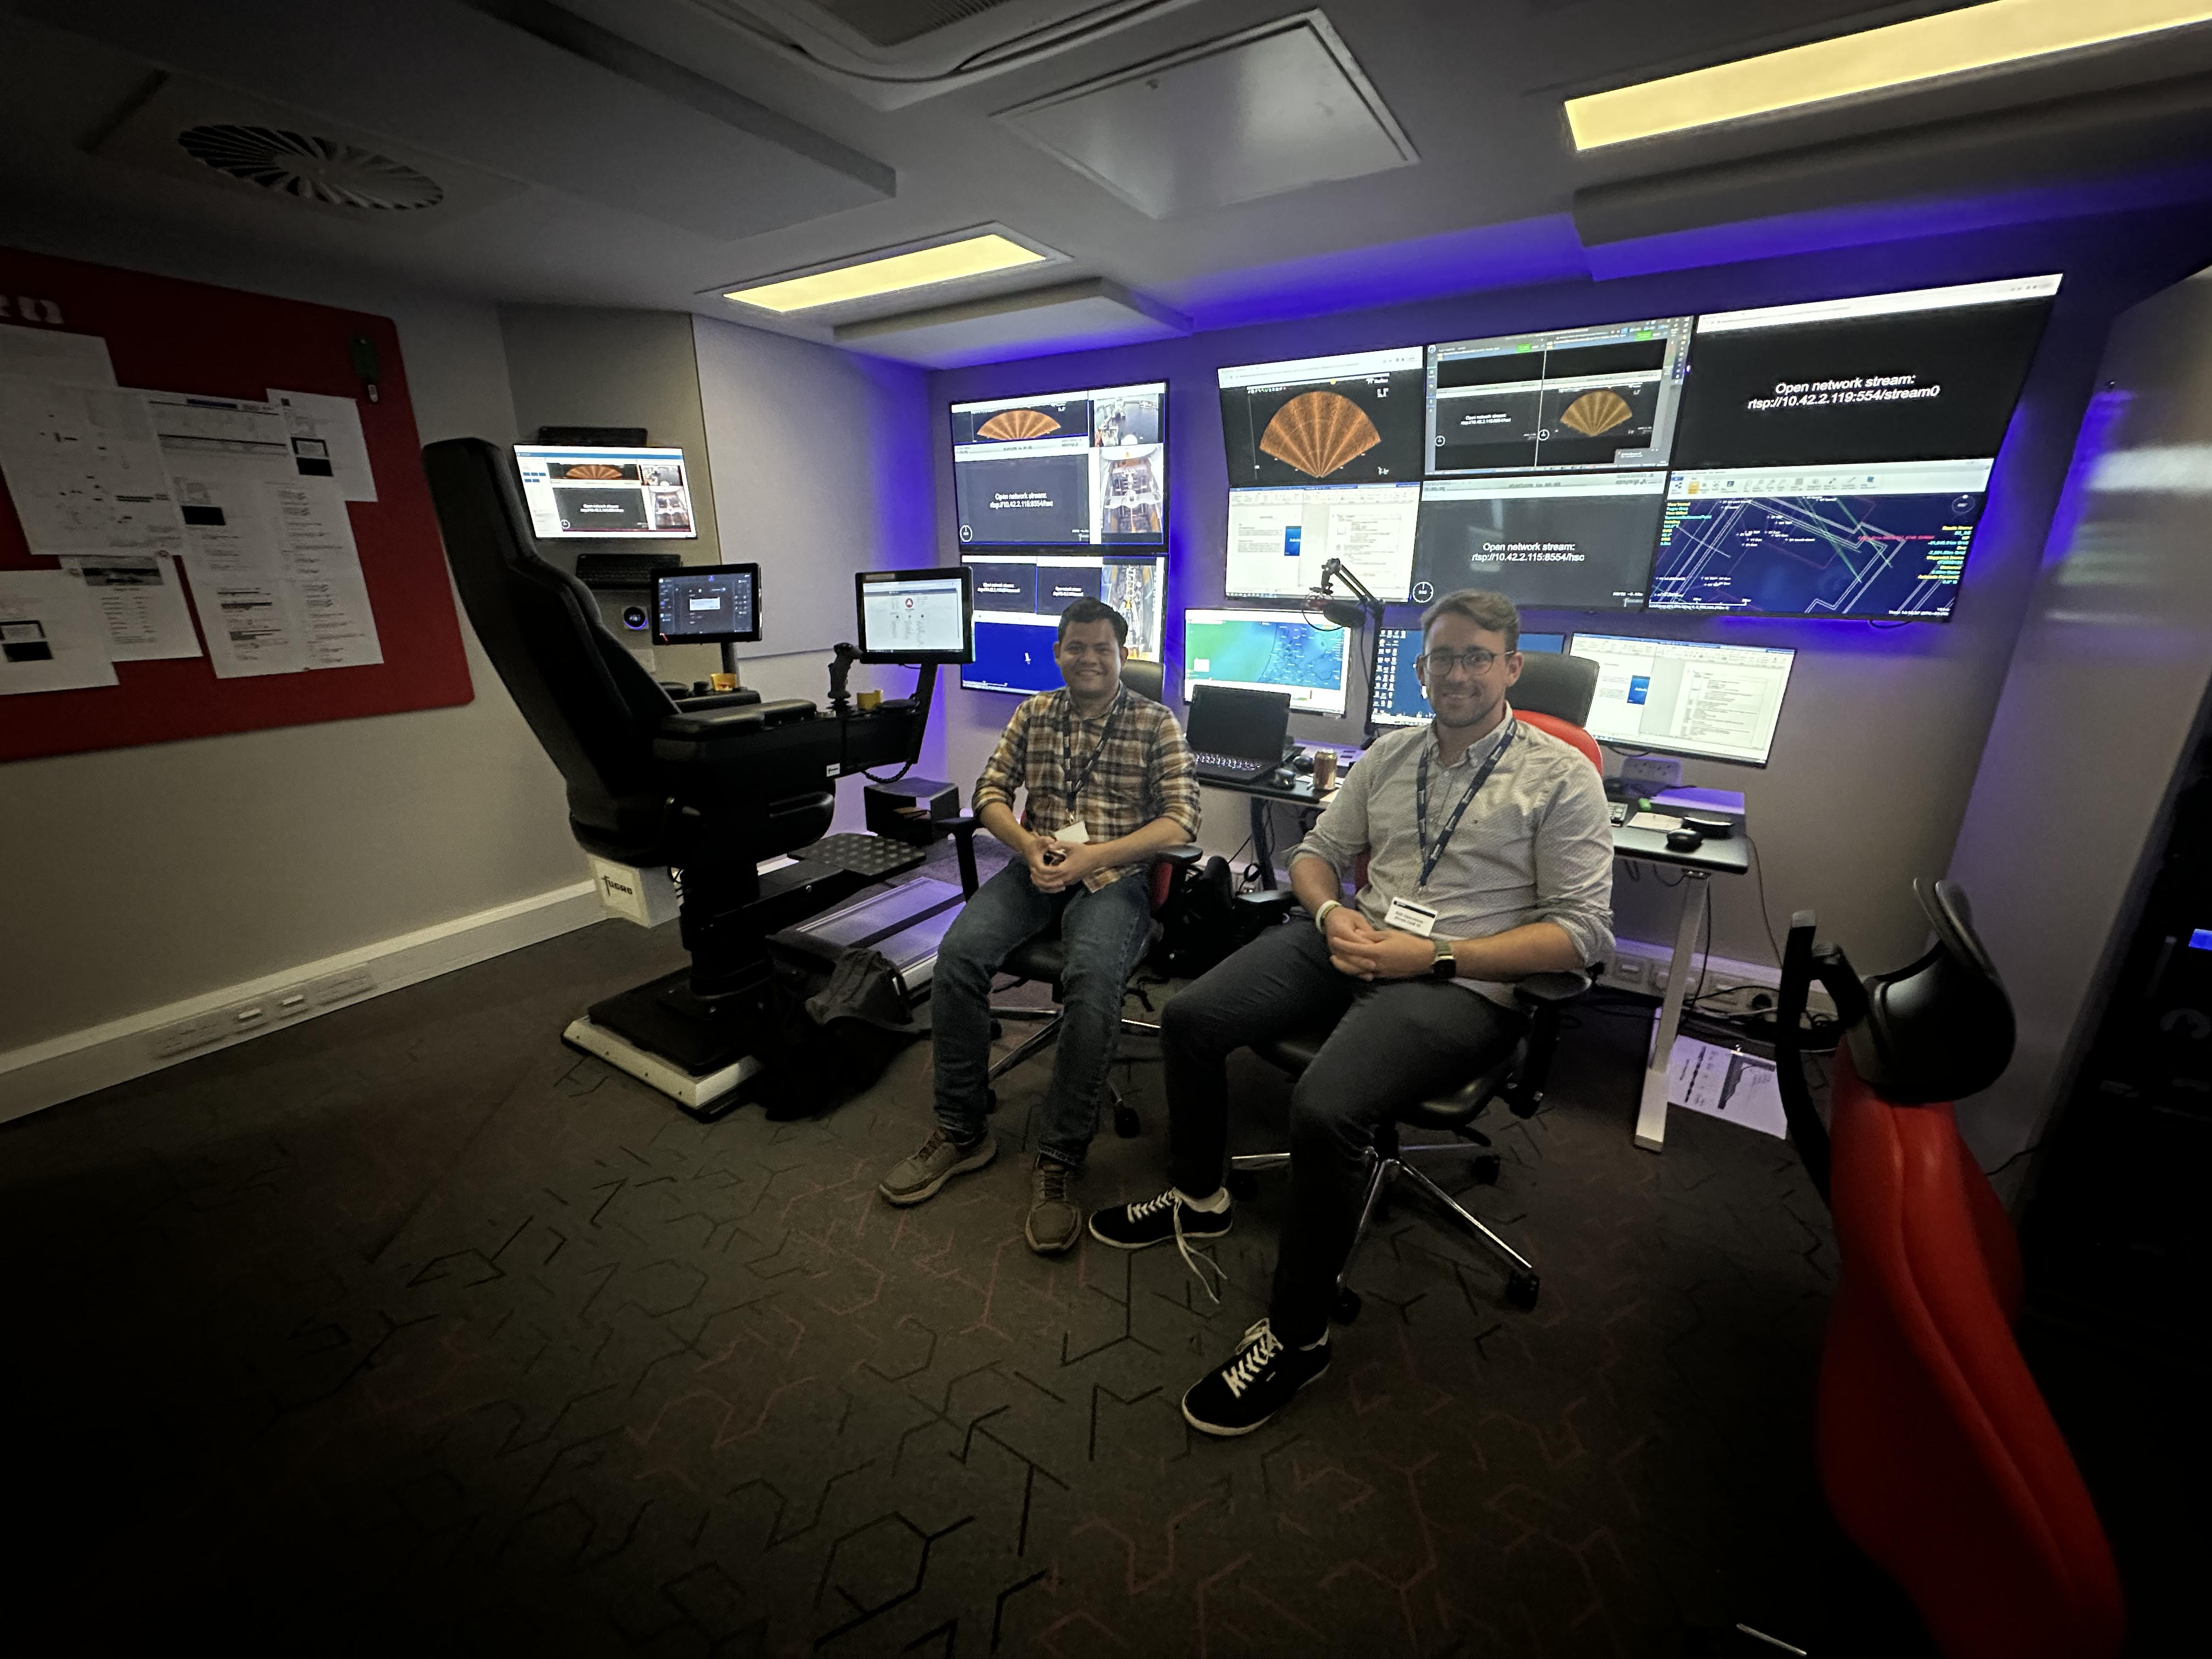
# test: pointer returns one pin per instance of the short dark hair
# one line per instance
(1491, 613)
(1091, 610)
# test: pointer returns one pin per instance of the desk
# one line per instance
(1731, 857)
(1260, 791)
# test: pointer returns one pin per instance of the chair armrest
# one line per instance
(745, 697)
(1551, 989)
(1277, 900)
(1183, 857)
(1543, 995)
(962, 827)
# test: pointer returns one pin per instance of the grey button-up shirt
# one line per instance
(1535, 845)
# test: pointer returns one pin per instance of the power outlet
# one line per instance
(1628, 972)
(340, 987)
(187, 1034)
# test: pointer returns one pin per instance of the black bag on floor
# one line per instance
(1202, 923)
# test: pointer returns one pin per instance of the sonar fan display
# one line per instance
(1014, 424)
(1596, 411)
(1318, 432)
(592, 469)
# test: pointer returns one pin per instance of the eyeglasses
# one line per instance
(1440, 663)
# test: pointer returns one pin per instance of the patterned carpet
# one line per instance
(411, 1329)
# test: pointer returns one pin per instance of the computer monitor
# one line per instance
(1268, 651)
(1559, 540)
(1397, 698)
(1685, 697)
(1067, 468)
(1018, 599)
(916, 615)
(1885, 541)
(707, 604)
(1927, 375)
(1354, 418)
(578, 491)
(1280, 539)
(1573, 399)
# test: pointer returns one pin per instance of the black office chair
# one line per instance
(1557, 698)
(709, 786)
(1043, 958)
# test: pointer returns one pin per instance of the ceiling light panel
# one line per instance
(872, 275)
(1971, 40)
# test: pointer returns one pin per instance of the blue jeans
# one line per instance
(1105, 933)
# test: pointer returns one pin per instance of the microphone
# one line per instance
(1344, 613)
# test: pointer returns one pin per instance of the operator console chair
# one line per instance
(709, 786)
(1043, 957)
(1553, 695)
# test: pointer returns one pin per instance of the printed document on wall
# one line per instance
(51, 639)
(225, 457)
(56, 357)
(140, 598)
(85, 471)
(253, 626)
(327, 440)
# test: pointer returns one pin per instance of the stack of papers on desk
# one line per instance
(1723, 1083)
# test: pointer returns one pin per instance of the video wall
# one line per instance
(1080, 468)
(1829, 459)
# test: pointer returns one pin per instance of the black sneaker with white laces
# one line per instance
(1255, 1384)
(1150, 1221)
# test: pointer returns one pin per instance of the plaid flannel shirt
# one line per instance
(1144, 771)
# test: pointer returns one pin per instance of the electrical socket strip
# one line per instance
(1642, 966)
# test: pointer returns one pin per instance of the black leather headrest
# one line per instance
(1146, 679)
(1943, 1028)
(1554, 683)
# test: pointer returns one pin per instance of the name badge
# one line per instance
(1074, 835)
(1408, 917)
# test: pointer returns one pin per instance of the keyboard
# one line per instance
(1227, 769)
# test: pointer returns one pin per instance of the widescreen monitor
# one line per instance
(707, 604)
(916, 615)
(1018, 599)
(1685, 698)
(1280, 539)
(1561, 541)
(1267, 651)
(1886, 541)
(1572, 398)
(1928, 375)
(1355, 418)
(1398, 699)
(604, 494)
(1086, 469)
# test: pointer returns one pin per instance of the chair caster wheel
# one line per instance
(1346, 1309)
(997, 1030)
(990, 1100)
(1521, 1291)
(1127, 1123)
(1485, 1170)
(1244, 1186)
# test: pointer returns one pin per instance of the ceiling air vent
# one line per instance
(313, 169)
(891, 53)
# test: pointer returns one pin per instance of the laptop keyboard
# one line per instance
(1230, 768)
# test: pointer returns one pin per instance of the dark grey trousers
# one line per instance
(1394, 1041)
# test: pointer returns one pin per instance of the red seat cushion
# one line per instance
(1565, 731)
(1938, 1455)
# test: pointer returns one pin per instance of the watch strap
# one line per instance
(1321, 916)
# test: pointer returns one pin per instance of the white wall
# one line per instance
(141, 877)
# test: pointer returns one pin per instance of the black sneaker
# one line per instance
(1242, 1395)
(1152, 1221)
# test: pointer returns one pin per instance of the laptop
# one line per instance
(1237, 735)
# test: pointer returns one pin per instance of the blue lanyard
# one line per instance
(1070, 779)
(1429, 858)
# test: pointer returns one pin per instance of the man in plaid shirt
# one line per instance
(1110, 783)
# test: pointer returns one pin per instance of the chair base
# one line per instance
(1385, 1169)
(1127, 1123)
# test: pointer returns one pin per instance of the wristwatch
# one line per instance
(1446, 966)
(1321, 916)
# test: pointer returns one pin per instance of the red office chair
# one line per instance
(1939, 1457)
(1553, 695)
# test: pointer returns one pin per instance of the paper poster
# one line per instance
(223, 455)
(1723, 1083)
(252, 628)
(51, 639)
(56, 357)
(140, 598)
(327, 440)
(85, 470)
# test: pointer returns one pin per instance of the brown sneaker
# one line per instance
(941, 1158)
(1053, 1220)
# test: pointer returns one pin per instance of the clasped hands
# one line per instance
(1069, 862)
(1358, 947)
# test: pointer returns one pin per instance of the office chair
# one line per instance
(1043, 956)
(1553, 694)
(1938, 1456)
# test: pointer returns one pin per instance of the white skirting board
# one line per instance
(62, 1068)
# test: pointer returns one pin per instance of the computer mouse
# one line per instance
(1301, 763)
(1684, 841)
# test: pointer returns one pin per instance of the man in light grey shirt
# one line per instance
(1489, 859)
